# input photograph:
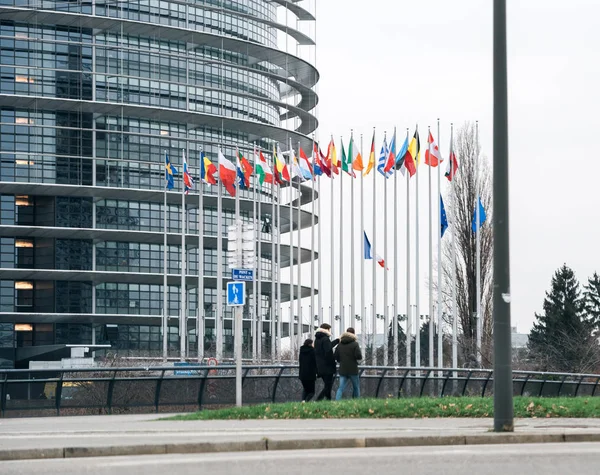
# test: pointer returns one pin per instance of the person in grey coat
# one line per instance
(348, 354)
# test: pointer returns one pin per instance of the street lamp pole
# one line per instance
(503, 385)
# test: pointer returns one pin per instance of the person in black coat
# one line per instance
(308, 369)
(326, 366)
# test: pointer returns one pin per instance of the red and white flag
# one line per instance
(433, 157)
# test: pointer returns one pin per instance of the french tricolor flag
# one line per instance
(369, 252)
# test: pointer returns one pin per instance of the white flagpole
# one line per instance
(219, 311)
(238, 332)
(417, 277)
(478, 237)
(273, 269)
(454, 231)
(431, 363)
(182, 310)
(200, 321)
(257, 320)
(396, 305)
(311, 319)
(331, 234)
(165, 322)
(363, 317)
(279, 306)
(299, 260)
(292, 288)
(408, 276)
(439, 260)
(320, 259)
(385, 259)
(374, 297)
(341, 240)
(352, 319)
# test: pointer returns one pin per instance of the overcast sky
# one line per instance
(397, 63)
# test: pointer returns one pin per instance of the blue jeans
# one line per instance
(344, 381)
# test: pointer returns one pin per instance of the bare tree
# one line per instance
(474, 172)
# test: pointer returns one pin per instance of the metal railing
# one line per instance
(189, 388)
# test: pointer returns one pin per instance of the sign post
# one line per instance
(236, 297)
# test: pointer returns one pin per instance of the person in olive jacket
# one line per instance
(326, 366)
(308, 369)
(348, 354)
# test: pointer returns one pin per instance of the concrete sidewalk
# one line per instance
(88, 436)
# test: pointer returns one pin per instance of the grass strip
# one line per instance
(403, 408)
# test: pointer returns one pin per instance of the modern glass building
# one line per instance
(92, 95)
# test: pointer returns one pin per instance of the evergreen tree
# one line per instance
(561, 338)
(592, 302)
(401, 342)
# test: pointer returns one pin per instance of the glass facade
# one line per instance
(88, 110)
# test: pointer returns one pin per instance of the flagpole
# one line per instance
(374, 297)
(279, 307)
(408, 276)
(396, 264)
(331, 234)
(341, 240)
(257, 323)
(385, 259)
(431, 363)
(320, 256)
(200, 322)
(352, 318)
(417, 277)
(219, 311)
(299, 260)
(311, 320)
(478, 237)
(238, 332)
(165, 322)
(291, 217)
(363, 318)
(454, 231)
(273, 269)
(439, 261)
(182, 310)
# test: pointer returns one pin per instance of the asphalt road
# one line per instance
(564, 458)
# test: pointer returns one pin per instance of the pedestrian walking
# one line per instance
(348, 354)
(307, 369)
(326, 366)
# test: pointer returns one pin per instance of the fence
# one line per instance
(189, 388)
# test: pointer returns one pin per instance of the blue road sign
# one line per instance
(242, 274)
(236, 294)
(180, 372)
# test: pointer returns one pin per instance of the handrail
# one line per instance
(28, 388)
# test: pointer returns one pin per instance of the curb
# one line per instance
(272, 444)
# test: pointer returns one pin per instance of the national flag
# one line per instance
(294, 165)
(391, 158)
(170, 172)
(244, 170)
(355, 156)
(316, 160)
(433, 157)
(324, 164)
(305, 166)
(371, 163)
(188, 181)
(401, 155)
(283, 173)
(227, 173)
(482, 217)
(262, 168)
(332, 157)
(369, 252)
(452, 166)
(412, 156)
(346, 162)
(443, 217)
(383, 156)
(207, 170)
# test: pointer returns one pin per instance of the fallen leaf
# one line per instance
(267, 409)
(371, 411)
(468, 407)
(531, 406)
(452, 405)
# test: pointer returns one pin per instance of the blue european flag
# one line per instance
(170, 172)
(482, 217)
(443, 217)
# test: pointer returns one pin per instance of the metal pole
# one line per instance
(478, 246)
(352, 319)
(363, 317)
(320, 258)
(454, 216)
(440, 340)
(291, 218)
(200, 321)
(273, 271)
(165, 322)
(374, 263)
(219, 290)
(279, 308)
(238, 350)
(331, 235)
(182, 310)
(408, 276)
(430, 243)
(311, 320)
(385, 259)
(258, 325)
(503, 403)
(341, 234)
(417, 278)
(396, 304)
(299, 260)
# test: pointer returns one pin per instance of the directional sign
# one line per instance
(242, 274)
(236, 294)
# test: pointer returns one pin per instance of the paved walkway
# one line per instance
(57, 437)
